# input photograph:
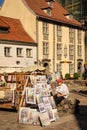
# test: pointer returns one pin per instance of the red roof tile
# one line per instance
(57, 12)
(16, 31)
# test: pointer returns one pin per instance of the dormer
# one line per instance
(50, 2)
(47, 10)
(69, 16)
(4, 29)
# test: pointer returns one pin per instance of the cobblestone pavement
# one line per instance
(8, 119)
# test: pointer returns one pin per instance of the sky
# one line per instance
(1, 2)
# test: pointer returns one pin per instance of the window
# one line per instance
(45, 49)
(59, 51)
(71, 68)
(79, 36)
(28, 53)
(71, 35)
(48, 11)
(45, 30)
(19, 52)
(59, 67)
(7, 51)
(79, 51)
(59, 33)
(71, 52)
(4, 30)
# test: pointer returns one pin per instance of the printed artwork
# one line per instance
(39, 98)
(23, 115)
(41, 107)
(52, 102)
(28, 116)
(30, 96)
(46, 101)
(44, 118)
(50, 113)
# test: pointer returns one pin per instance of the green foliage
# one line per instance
(67, 76)
(76, 75)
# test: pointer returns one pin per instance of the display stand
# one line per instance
(37, 105)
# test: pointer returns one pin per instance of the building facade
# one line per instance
(17, 48)
(59, 36)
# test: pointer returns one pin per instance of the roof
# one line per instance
(57, 12)
(15, 30)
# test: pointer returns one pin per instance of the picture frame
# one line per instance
(24, 115)
(52, 102)
(46, 101)
(41, 107)
(50, 113)
(39, 98)
(44, 118)
(30, 95)
(28, 116)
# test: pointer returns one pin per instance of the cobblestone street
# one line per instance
(8, 119)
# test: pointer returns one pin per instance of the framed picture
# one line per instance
(46, 101)
(28, 116)
(39, 98)
(44, 92)
(50, 113)
(30, 95)
(24, 115)
(41, 78)
(44, 118)
(52, 102)
(41, 107)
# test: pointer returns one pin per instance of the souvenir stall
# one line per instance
(37, 106)
(10, 81)
(29, 93)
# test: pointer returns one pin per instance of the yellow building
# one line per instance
(59, 36)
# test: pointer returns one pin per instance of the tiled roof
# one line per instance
(57, 13)
(15, 31)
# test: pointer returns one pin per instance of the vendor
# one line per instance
(62, 92)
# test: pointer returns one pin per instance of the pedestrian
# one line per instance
(61, 92)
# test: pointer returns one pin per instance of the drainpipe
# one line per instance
(54, 48)
(37, 37)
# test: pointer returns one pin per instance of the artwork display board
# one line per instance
(22, 91)
(39, 94)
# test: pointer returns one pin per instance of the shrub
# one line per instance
(76, 75)
(67, 76)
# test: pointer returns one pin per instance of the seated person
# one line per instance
(62, 92)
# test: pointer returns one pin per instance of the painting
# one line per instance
(30, 95)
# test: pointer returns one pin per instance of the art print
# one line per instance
(30, 96)
(46, 101)
(50, 113)
(52, 102)
(41, 107)
(44, 119)
(23, 115)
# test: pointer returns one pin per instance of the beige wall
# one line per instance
(18, 9)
